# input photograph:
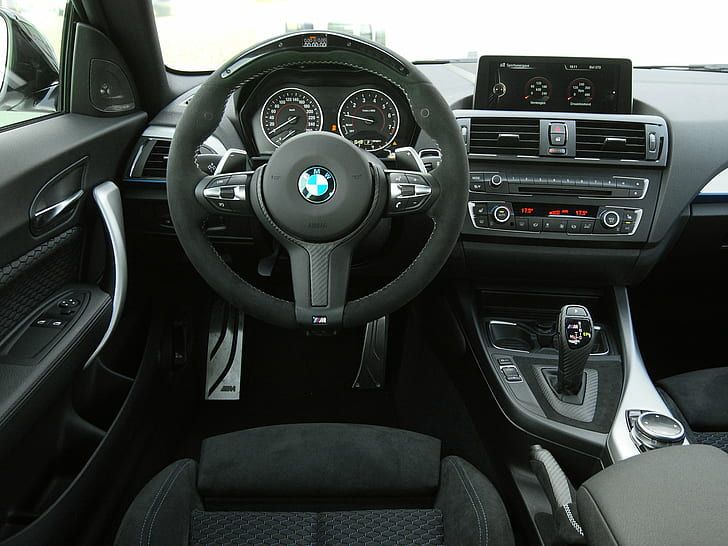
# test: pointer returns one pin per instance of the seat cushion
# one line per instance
(321, 460)
(393, 473)
(375, 527)
(701, 398)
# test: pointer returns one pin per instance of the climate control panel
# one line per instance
(549, 218)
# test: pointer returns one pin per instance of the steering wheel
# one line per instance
(318, 195)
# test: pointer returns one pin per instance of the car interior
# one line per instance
(330, 292)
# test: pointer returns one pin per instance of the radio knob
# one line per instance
(611, 219)
(501, 214)
(496, 180)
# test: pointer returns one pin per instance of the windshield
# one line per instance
(200, 36)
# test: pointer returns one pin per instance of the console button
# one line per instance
(481, 221)
(557, 134)
(629, 216)
(587, 226)
(480, 209)
(554, 225)
(477, 186)
(609, 183)
(522, 224)
(557, 151)
(627, 227)
(477, 177)
(573, 226)
(535, 224)
(623, 183)
(611, 219)
(634, 193)
(511, 374)
(496, 180)
(501, 214)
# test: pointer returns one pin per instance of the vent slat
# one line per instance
(484, 134)
(591, 137)
(156, 164)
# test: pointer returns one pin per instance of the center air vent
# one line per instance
(610, 140)
(504, 136)
(156, 164)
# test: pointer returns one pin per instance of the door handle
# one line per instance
(46, 216)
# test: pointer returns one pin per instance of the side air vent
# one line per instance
(504, 136)
(156, 164)
(610, 140)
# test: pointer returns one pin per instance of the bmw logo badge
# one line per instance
(317, 184)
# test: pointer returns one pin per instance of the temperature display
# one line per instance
(551, 211)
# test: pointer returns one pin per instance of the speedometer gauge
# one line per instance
(369, 119)
(289, 112)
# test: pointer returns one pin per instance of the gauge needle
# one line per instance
(285, 123)
(368, 121)
(289, 133)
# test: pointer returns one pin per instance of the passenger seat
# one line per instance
(700, 400)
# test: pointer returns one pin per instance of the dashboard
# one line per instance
(365, 109)
(587, 195)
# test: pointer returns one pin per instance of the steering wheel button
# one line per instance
(414, 202)
(398, 178)
(216, 182)
(407, 190)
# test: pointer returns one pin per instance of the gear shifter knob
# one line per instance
(575, 333)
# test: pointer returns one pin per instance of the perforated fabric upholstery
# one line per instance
(365, 527)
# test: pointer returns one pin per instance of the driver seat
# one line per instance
(311, 484)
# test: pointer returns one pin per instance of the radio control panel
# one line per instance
(587, 186)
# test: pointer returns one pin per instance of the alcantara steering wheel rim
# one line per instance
(320, 259)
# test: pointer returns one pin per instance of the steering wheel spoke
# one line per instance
(320, 275)
(226, 193)
(410, 192)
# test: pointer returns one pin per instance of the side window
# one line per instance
(30, 47)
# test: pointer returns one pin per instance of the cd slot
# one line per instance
(586, 192)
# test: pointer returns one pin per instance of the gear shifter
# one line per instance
(575, 336)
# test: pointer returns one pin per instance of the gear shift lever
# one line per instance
(575, 336)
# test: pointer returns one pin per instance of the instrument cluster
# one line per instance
(372, 114)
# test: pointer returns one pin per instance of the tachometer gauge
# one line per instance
(289, 112)
(580, 91)
(369, 118)
(538, 90)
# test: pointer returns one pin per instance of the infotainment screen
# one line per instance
(554, 84)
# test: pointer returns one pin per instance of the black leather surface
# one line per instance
(28, 280)
(319, 460)
(675, 495)
(701, 397)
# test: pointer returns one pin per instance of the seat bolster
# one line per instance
(161, 512)
(473, 513)
(319, 460)
(700, 395)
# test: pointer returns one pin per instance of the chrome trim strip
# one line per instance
(108, 199)
(49, 213)
(165, 132)
(639, 393)
(718, 185)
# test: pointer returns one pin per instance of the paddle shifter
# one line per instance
(575, 334)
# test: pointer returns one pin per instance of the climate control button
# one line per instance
(611, 219)
(501, 214)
